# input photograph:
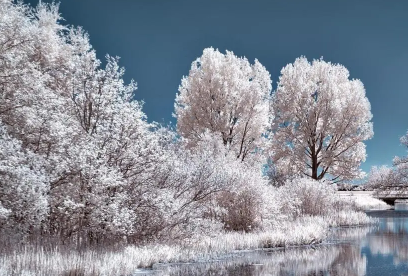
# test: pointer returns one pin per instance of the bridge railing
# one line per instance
(390, 194)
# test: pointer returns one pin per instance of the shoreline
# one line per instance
(243, 252)
(305, 232)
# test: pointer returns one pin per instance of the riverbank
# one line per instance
(36, 260)
(364, 200)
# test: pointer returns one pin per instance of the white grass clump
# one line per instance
(349, 218)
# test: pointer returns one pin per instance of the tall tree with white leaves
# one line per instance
(321, 120)
(228, 97)
(380, 177)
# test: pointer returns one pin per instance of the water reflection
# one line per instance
(401, 205)
(378, 250)
(295, 261)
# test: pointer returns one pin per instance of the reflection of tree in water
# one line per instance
(349, 233)
(349, 262)
(390, 238)
(304, 261)
(390, 244)
(294, 261)
(394, 226)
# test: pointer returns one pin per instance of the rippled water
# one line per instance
(377, 250)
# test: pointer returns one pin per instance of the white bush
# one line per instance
(305, 196)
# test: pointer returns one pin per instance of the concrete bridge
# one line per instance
(391, 196)
(388, 197)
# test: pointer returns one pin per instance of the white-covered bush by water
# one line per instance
(308, 197)
(305, 196)
(251, 203)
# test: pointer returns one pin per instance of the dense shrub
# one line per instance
(241, 210)
(305, 196)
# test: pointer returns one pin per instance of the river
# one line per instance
(381, 249)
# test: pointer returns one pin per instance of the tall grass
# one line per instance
(58, 260)
(35, 260)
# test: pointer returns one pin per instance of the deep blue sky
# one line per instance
(158, 39)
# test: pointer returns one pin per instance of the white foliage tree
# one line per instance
(228, 97)
(401, 167)
(392, 180)
(118, 152)
(23, 187)
(92, 141)
(379, 177)
(321, 120)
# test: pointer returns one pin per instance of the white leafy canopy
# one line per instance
(321, 120)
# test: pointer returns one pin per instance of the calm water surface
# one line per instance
(377, 250)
